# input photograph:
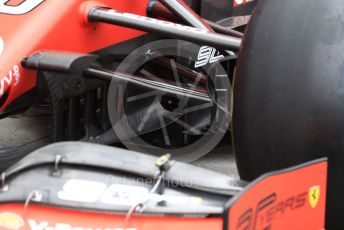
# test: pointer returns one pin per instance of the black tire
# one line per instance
(289, 92)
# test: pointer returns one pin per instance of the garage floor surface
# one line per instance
(30, 131)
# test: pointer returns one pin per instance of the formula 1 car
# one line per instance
(105, 82)
(69, 186)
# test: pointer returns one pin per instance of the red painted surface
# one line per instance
(55, 25)
(56, 218)
(241, 2)
(283, 201)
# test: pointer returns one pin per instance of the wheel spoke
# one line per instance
(175, 72)
(185, 125)
(164, 130)
(143, 96)
(198, 107)
(194, 85)
(146, 117)
(197, 80)
(150, 75)
(181, 69)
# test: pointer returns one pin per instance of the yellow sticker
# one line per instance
(196, 200)
(162, 160)
(12, 221)
(314, 196)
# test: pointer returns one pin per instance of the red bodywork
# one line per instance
(53, 25)
(241, 2)
(291, 199)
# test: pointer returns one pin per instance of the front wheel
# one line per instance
(289, 92)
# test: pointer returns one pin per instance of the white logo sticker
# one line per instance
(92, 191)
(116, 194)
(82, 191)
(44, 225)
(7, 80)
(125, 195)
(207, 55)
(22, 7)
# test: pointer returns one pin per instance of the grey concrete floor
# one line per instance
(30, 130)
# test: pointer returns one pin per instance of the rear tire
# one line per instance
(289, 92)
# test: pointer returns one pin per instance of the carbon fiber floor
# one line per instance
(30, 130)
